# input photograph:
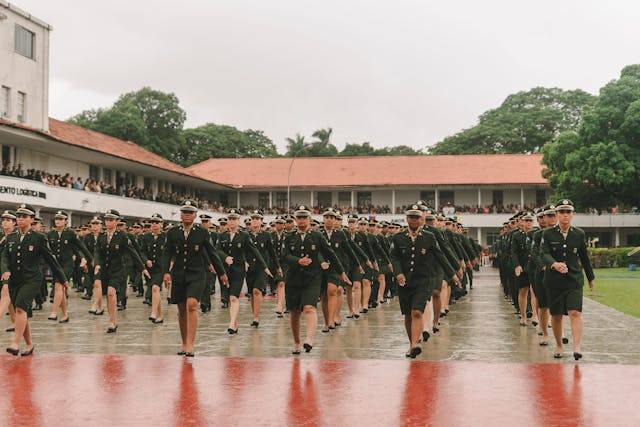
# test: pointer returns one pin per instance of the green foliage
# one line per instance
(365, 149)
(598, 165)
(524, 123)
(612, 257)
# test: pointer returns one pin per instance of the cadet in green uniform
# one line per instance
(256, 274)
(278, 237)
(188, 254)
(8, 227)
(152, 245)
(90, 243)
(136, 277)
(110, 268)
(520, 253)
(236, 247)
(224, 290)
(65, 244)
(414, 254)
(210, 281)
(304, 253)
(564, 253)
(20, 265)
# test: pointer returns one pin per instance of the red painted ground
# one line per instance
(148, 390)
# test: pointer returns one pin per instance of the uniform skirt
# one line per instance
(256, 279)
(355, 275)
(116, 281)
(236, 275)
(22, 294)
(522, 281)
(300, 293)
(539, 289)
(561, 301)
(414, 296)
(185, 286)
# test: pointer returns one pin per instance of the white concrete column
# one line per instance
(37, 209)
(479, 198)
(69, 223)
(479, 234)
(353, 199)
(393, 201)
(521, 198)
(617, 237)
(270, 199)
(311, 199)
(238, 199)
(437, 206)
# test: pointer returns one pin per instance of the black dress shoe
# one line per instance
(577, 356)
(10, 329)
(415, 352)
(54, 318)
(332, 327)
(446, 311)
(232, 331)
(92, 311)
(350, 316)
(189, 354)
(364, 310)
(425, 336)
(64, 320)
(13, 351)
(153, 319)
(295, 352)
(28, 352)
(325, 329)
(112, 329)
(565, 340)
(158, 321)
(225, 304)
(436, 329)
(182, 353)
(356, 316)
(255, 323)
(99, 313)
(307, 347)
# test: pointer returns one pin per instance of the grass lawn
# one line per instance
(617, 288)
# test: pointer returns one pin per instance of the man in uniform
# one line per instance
(65, 244)
(564, 254)
(20, 266)
(304, 253)
(187, 256)
(414, 253)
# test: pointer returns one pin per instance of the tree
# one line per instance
(522, 124)
(364, 149)
(149, 118)
(322, 147)
(295, 146)
(220, 141)
(599, 164)
(398, 150)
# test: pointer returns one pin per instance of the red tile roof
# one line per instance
(376, 171)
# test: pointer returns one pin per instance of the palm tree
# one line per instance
(295, 146)
(323, 146)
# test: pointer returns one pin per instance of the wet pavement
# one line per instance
(481, 327)
(482, 369)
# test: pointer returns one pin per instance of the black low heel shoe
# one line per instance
(182, 353)
(112, 329)
(64, 320)
(29, 352)
(255, 324)
(232, 331)
(425, 336)
(415, 352)
(565, 340)
(577, 356)
(13, 351)
(307, 347)
(190, 354)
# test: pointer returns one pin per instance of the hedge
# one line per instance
(612, 257)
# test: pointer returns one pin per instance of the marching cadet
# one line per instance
(224, 290)
(278, 237)
(41, 297)
(414, 253)
(384, 264)
(359, 278)
(20, 266)
(8, 227)
(90, 240)
(304, 253)
(65, 244)
(188, 254)
(256, 274)
(564, 254)
(110, 272)
(331, 280)
(520, 253)
(235, 247)
(136, 277)
(152, 245)
(205, 300)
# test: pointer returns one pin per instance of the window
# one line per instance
(224, 199)
(263, 199)
(446, 197)
(344, 198)
(5, 101)
(6, 154)
(25, 42)
(324, 199)
(93, 172)
(281, 199)
(106, 176)
(492, 237)
(364, 198)
(541, 197)
(429, 197)
(497, 198)
(22, 107)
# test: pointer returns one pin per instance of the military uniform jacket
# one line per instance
(65, 245)
(341, 245)
(314, 246)
(536, 259)
(520, 250)
(262, 240)
(190, 256)
(278, 243)
(110, 255)
(24, 259)
(417, 258)
(152, 246)
(380, 256)
(359, 246)
(241, 248)
(445, 247)
(571, 250)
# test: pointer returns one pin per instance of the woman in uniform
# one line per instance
(8, 226)
(152, 244)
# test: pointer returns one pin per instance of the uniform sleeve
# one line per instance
(167, 253)
(377, 248)
(4, 256)
(81, 249)
(56, 269)
(271, 248)
(442, 260)
(251, 249)
(515, 248)
(289, 258)
(222, 254)
(396, 259)
(584, 259)
(535, 249)
(132, 248)
(213, 256)
(329, 254)
(447, 251)
(349, 249)
(357, 250)
(98, 257)
(545, 251)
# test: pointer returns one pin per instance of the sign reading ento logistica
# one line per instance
(22, 192)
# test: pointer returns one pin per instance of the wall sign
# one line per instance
(22, 192)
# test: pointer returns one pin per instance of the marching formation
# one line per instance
(547, 260)
(428, 265)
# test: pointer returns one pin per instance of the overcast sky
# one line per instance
(386, 71)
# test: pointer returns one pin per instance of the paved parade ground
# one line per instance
(481, 369)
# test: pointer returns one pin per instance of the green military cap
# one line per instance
(233, 213)
(60, 215)
(430, 215)
(279, 219)
(373, 222)
(112, 214)
(9, 214)
(146, 224)
(222, 221)
(414, 210)
(95, 220)
(564, 205)
(549, 209)
(289, 218)
(539, 212)
(330, 212)
(338, 215)
(352, 217)
(315, 222)
(26, 210)
(527, 216)
(84, 227)
(302, 212)
(136, 225)
(37, 219)
(189, 206)
(122, 222)
(257, 214)
(204, 217)
(384, 224)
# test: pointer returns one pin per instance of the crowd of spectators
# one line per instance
(96, 186)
